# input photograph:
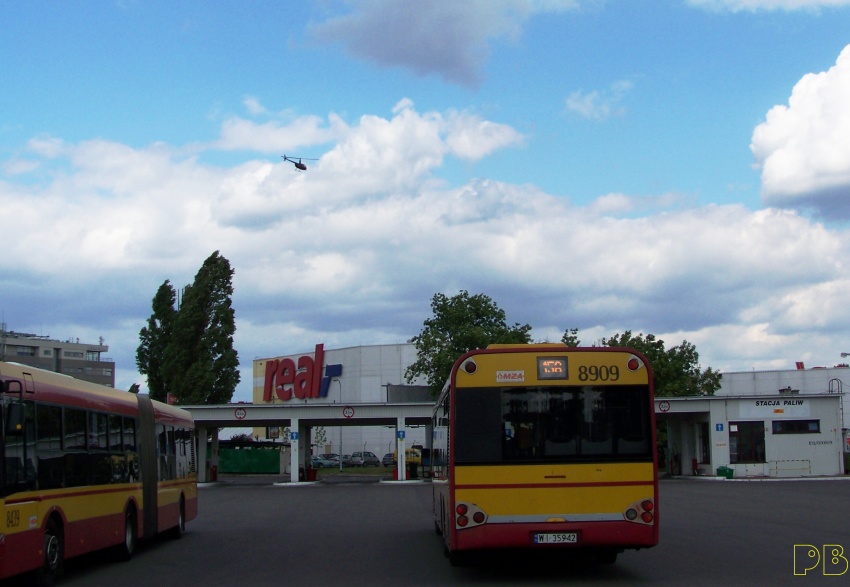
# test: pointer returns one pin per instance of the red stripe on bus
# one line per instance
(548, 485)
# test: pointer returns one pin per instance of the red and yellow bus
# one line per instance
(543, 446)
(85, 467)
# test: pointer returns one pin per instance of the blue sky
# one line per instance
(676, 167)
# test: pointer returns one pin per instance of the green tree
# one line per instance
(570, 338)
(244, 437)
(459, 324)
(676, 371)
(200, 365)
(155, 337)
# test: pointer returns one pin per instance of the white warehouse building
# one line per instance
(351, 378)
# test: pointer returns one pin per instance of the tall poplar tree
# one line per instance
(155, 337)
(200, 364)
(188, 351)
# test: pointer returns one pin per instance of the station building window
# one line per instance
(746, 442)
(796, 426)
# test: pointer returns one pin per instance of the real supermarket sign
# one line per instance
(301, 378)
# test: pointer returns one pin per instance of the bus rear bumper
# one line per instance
(620, 535)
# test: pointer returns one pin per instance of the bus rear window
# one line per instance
(552, 424)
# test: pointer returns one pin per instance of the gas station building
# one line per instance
(784, 423)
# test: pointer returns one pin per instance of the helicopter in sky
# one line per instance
(297, 161)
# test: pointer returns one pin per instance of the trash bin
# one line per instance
(724, 471)
(412, 471)
(311, 473)
(214, 473)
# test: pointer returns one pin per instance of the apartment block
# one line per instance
(71, 357)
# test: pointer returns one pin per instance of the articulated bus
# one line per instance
(542, 446)
(85, 467)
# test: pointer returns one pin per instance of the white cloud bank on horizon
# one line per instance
(351, 251)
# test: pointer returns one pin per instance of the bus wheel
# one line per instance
(124, 551)
(54, 551)
(180, 529)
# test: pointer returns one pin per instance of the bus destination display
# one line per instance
(552, 368)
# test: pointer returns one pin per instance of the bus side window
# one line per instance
(50, 467)
(129, 435)
(115, 429)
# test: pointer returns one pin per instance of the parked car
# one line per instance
(346, 461)
(365, 459)
(388, 460)
(320, 461)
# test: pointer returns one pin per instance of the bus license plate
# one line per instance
(556, 538)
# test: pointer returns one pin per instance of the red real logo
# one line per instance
(286, 379)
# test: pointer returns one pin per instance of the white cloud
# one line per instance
(599, 105)
(471, 138)
(253, 106)
(19, 166)
(767, 5)
(803, 148)
(273, 136)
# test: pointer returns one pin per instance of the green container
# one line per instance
(725, 471)
(246, 460)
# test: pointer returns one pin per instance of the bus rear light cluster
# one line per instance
(467, 515)
(641, 512)
(469, 366)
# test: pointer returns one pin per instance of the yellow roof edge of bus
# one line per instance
(536, 345)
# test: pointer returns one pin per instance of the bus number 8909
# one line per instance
(601, 373)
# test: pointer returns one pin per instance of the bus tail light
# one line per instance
(634, 363)
(469, 515)
(641, 512)
(469, 366)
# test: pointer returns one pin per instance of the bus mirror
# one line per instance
(14, 419)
